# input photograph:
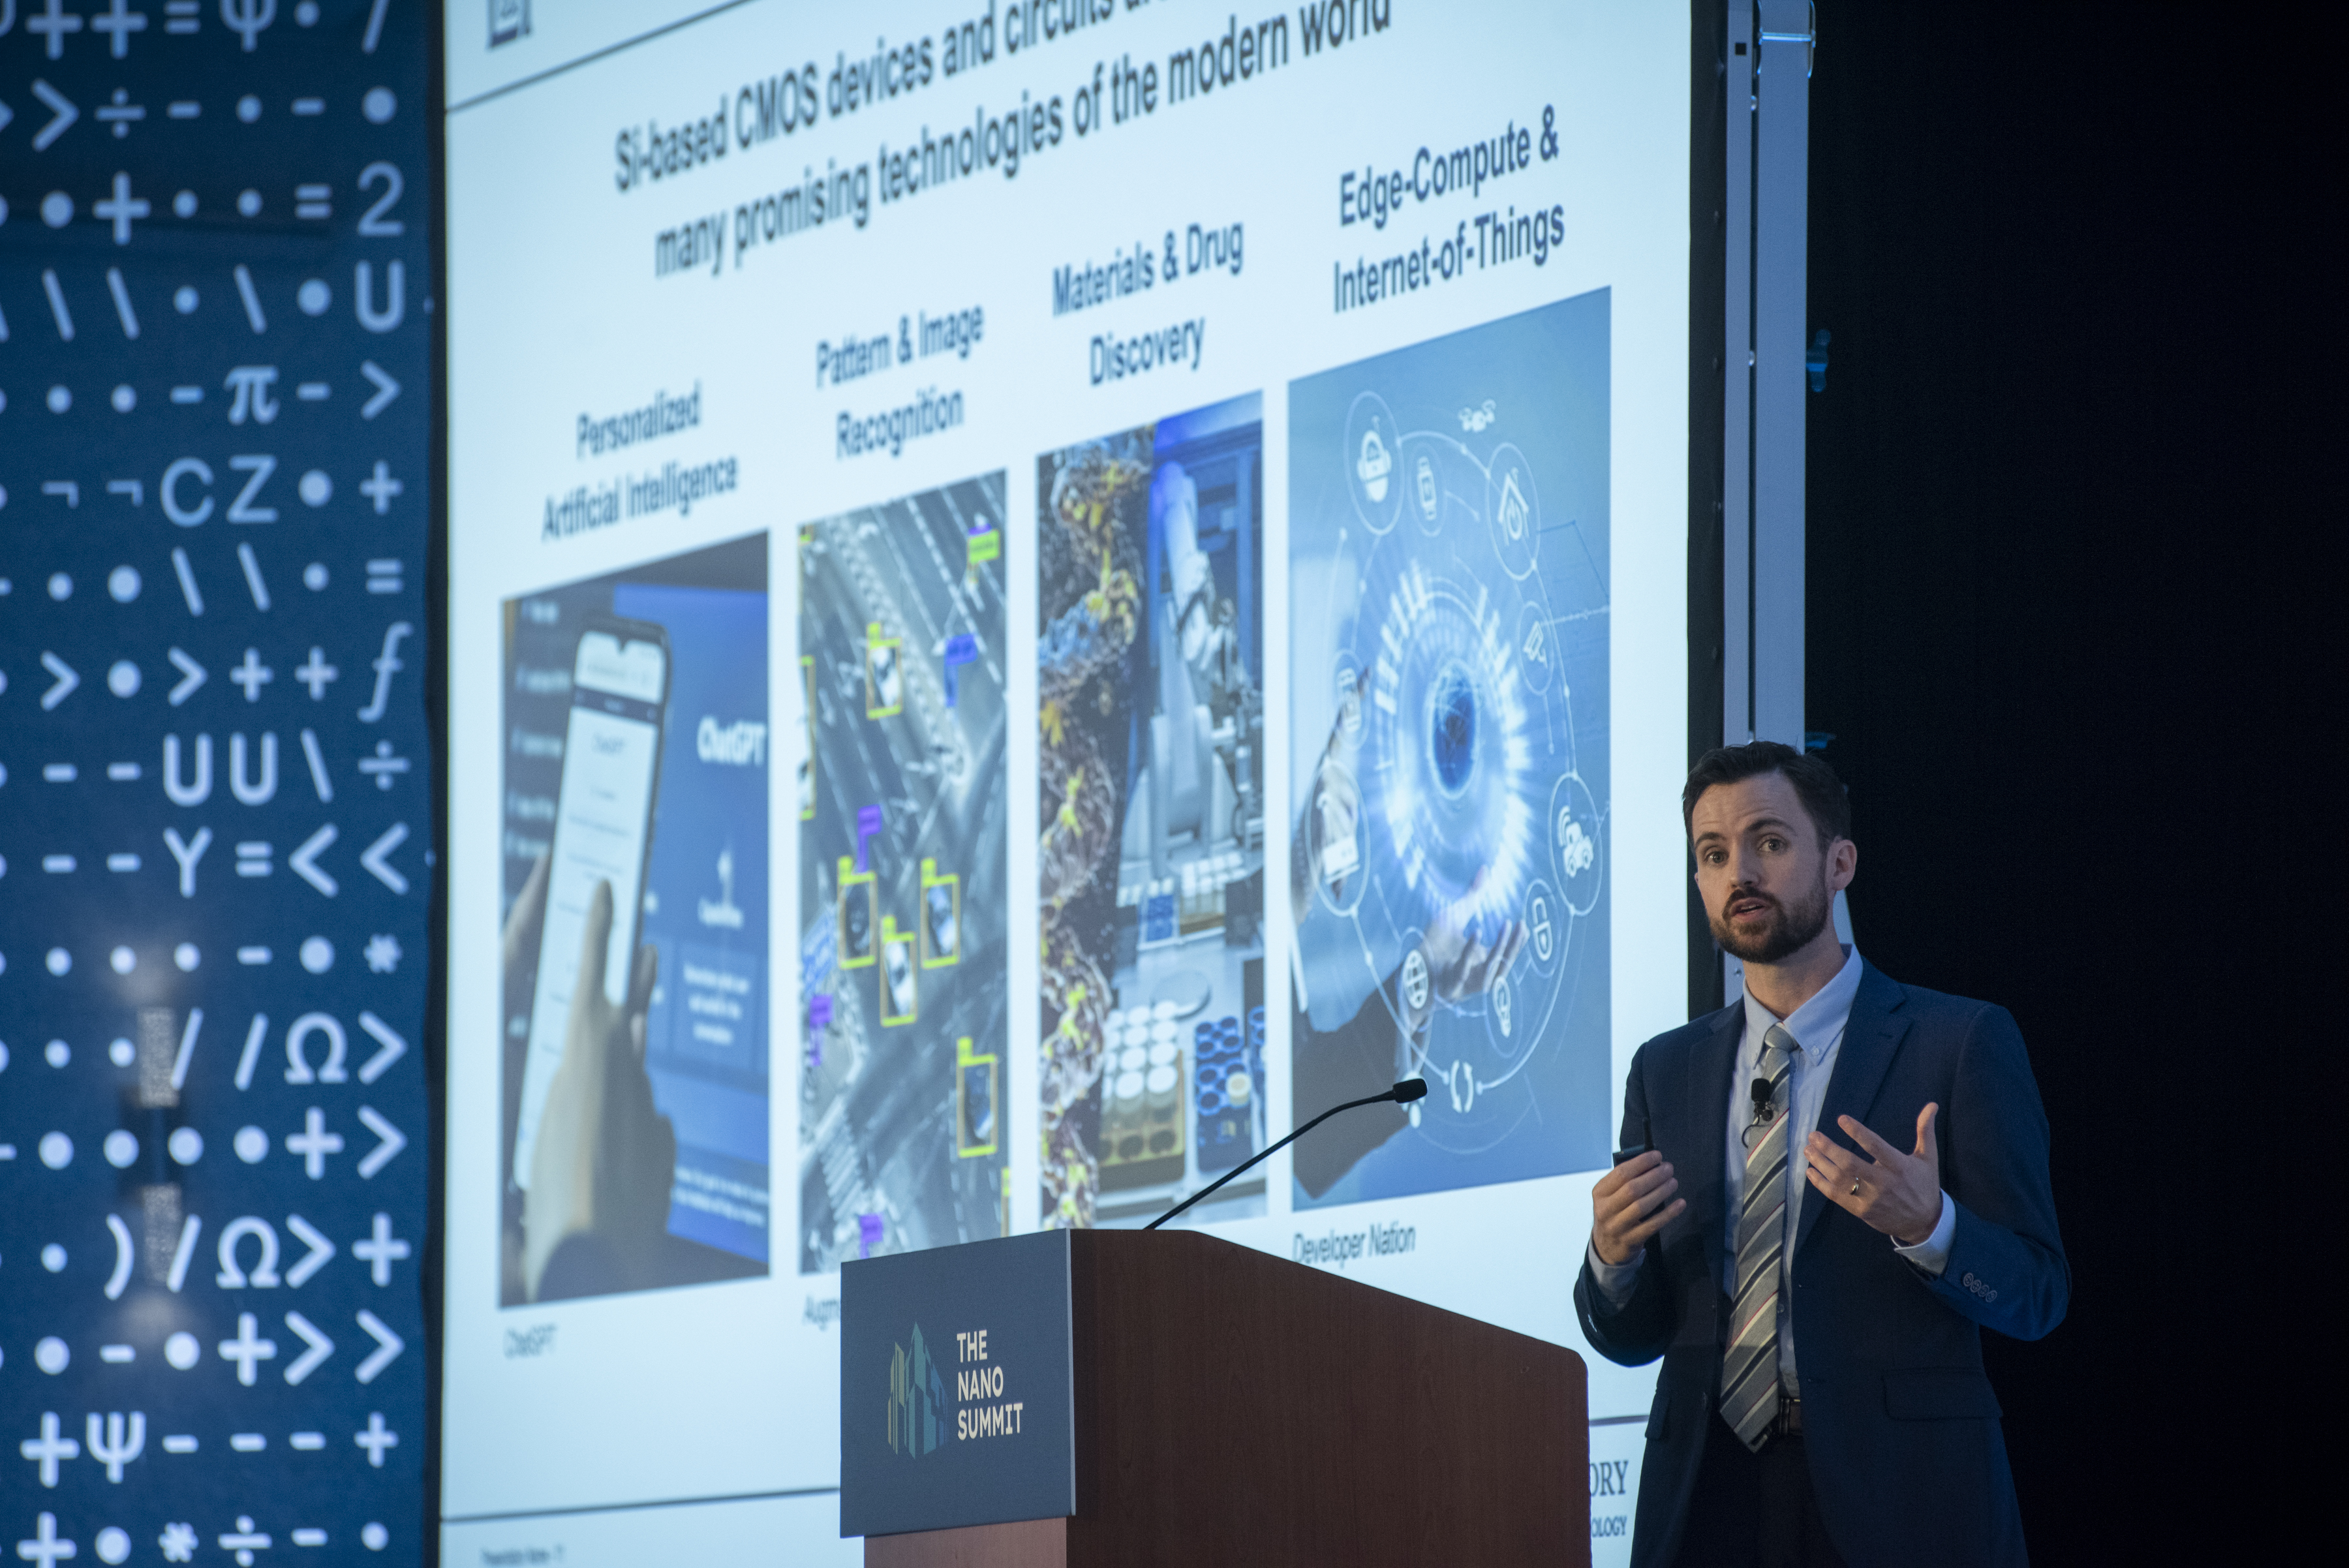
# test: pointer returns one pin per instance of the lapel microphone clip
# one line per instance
(1765, 1110)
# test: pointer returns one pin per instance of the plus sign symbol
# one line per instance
(121, 208)
(381, 487)
(314, 1143)
(47, 1448)
(119, 24)
(245, 1349)
(253, 675)
(44, 1548)
(376, 1439)
(316, 674)
(56, 22)
(380, 1251)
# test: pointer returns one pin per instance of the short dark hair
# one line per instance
(1824, 799)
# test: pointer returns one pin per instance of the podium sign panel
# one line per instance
(955, 1386)
(1158, 1399)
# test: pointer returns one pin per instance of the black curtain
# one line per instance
(2060, 533)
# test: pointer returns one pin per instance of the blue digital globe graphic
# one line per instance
(1452, 729)
(1449, 547)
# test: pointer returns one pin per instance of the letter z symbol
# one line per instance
(241, 509)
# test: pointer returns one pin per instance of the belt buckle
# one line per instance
(1788, 1423)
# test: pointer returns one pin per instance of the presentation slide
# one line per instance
(1167, 527)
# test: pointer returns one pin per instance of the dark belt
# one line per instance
(1788, 1422)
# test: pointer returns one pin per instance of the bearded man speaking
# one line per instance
(1827, 1190)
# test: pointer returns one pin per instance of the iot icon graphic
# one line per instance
(1451, 566)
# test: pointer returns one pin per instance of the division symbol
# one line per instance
(245, 1539)
(385, 765)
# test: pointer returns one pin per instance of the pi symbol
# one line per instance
(246, 18)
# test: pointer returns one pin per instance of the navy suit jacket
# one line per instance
(1899, 1423)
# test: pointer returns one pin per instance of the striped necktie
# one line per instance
(1749, 1368)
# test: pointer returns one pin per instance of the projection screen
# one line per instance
(1035, 591)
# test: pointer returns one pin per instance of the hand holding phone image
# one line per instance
(633, 1026)
(603, 835)
(594, 1158)
(604, 1160)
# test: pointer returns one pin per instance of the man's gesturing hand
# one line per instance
(1629, 1206)
(1898, 1194)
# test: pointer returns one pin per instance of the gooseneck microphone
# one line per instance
(1402, 1093)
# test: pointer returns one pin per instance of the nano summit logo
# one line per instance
(917, 1396)
(509, 20)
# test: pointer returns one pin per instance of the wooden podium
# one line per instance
(1227, 1407)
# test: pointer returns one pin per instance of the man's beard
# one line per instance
(1786, 930)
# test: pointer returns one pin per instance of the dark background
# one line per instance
(2051, 628)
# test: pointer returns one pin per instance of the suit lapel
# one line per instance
(1704, 1179)
(1871, 1038)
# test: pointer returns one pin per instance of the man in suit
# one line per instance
(1842, 1181)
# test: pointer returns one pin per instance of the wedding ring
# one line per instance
(1855, 1186)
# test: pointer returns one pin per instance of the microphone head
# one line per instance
(1410, 1089)
(1761, 1093)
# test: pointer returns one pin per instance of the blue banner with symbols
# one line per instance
(216, 778)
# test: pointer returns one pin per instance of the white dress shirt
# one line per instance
(1817, 1027)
